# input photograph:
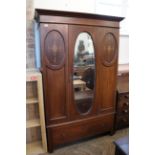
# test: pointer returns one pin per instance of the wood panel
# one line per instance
(109, 53)
(31, 101)
(76, 18)
(31, 90)
(54, 49)
(68, 132)
(33, 134)
(42, 114)
(34, 148)
(78, 21)
(106, 74)
(55, 71)
(56, 96)
(32, 111)
(32, 123)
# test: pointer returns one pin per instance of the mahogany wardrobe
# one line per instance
(79, 56)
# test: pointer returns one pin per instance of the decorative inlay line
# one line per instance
(55, 49)
(109, 53)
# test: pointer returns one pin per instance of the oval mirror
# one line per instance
(84, 72)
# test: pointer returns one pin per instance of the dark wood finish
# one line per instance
(54, 46)
(109, 54)
(105, 75)
(59, 31)
(40, 12)
(78, 21)
(122, 105)
(46, 16)
(75, 130)
(54, 50)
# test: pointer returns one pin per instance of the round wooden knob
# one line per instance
(124, 120)
(125, 111)
(126, 96)
(126, 103)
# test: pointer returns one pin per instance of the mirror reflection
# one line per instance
(84, 72)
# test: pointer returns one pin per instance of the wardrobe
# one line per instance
(79, 56)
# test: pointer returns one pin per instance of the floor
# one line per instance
(102, 145)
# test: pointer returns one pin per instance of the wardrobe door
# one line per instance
(54, 46)
(107, 58)
(82, 71)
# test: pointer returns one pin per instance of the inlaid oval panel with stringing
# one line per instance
(109, 54)
(55, 49)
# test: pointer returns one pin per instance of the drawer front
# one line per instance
(77, 130)
(123, 104)
(122, 121)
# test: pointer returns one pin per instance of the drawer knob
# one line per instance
(126, 103)
(124, 120)
(126, 96)
(125, 111)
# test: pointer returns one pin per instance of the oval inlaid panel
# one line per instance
(55, 49)
(109, 50)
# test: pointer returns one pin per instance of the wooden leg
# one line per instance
(49, 142)
(50, 149)
(112, 132)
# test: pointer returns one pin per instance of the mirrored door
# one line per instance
(82, 68)
(84, 72)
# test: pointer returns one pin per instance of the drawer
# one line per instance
(123, 104)
(122, 121)
(79, 129)
(123, 109)
(123, 96)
